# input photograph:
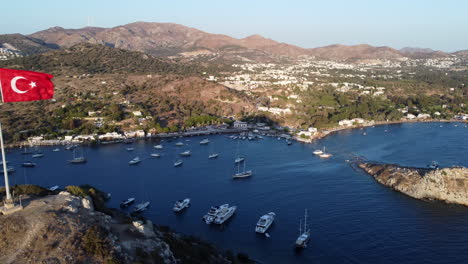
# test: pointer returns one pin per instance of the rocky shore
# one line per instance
(66, 228)
(448, 184)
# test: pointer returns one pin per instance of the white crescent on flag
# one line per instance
(13, 85)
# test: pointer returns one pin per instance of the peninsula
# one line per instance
(448, 184)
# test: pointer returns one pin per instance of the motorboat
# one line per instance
(9, 170)
(289, 143)
(130, 149)
(178, 163)
(28, 164)
(265, 222)
(155, 155)
(213, 213)
(213, 156)
(127, 202)
(134, 161)
(56, 150)
(53, 188)
(325, 155)
(318, 152)
(141, 207)
(179, 144)
(304, 234)
(204, 141)
(158, 147)
(434, 165)
(181, 204)
(186, 153)
(224, 214)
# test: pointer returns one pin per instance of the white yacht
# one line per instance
(186, 153)
(28, 164)
(239, 159)
(243, 173)
(213, 212)
(134, 161)
(38, 155)
(53, 188)
(178, 163)
(155, 155)
(318, 152)
(304, 234)
(204, 141)
(130, 149)
(224, 214)
(158, 147)
(265, 222)
(181, 204)
(213, 156)
(56, 150)
(141, 207)
(179, 144)
(324, 154)
(127, 202)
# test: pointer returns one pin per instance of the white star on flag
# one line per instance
(32, 84)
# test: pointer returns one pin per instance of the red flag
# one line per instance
(18, 86)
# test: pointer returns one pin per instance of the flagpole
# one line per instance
(5, 172)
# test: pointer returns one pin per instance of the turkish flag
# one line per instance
(18, 86)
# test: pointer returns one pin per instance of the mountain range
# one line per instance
(169, 39)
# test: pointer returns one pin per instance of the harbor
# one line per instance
(342, 203)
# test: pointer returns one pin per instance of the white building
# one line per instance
(240, 125)
(346, 122)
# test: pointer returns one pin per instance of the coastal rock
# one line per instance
(145, 228)
(448, 184)
(87, 203)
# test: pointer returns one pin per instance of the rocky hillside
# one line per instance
(66, 228)
(449, 184)
(343, 52)
(24, 44)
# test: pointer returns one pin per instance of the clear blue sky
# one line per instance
(437, 24)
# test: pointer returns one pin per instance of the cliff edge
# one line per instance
(448, 184)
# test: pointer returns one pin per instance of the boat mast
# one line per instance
(5, 172)
(300, 230)
(305, 221)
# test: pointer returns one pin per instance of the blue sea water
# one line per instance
(352, 218)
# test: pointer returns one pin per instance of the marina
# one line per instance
(343, 203)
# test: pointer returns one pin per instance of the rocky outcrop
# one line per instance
(448, 184)
(66, 228)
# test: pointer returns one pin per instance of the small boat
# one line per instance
(141, 207)
(318, 152)
(204, 141)
(434, 165)
(265, 222)
(155, 155)
(70, 147)
(178, 163)
(179, 144)
(56, 150)
(364, 134)
(38, 155)
(9, 170)
(77, 160)
(127, 202)
(181, 204)
(213, 156)
(186, 153)
(289, 143)
(212, 213)
(130, 149)
(53, 188)
(224, 214)
(304, 235)
(158, 147)
(239, 159)
(134, 161)
(242, 174)
(28, 164)
(324, 154)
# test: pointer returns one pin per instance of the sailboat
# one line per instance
(37, 154)
(79, 159)
(238, 159)
(324, 154)
(242, 174)
(212, 155)
(304, 235)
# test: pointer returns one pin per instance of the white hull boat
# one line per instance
(181, 205)
(265, 222)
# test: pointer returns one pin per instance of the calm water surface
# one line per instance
(353, 219)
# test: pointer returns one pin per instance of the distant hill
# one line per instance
(422, 53)
(25, 45)
(363, 51)
(91, 58)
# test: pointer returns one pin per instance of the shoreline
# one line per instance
(327, 132)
